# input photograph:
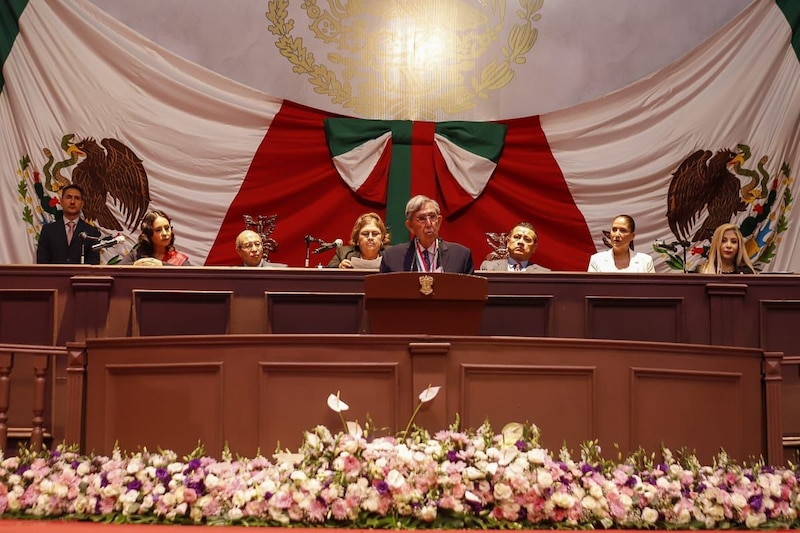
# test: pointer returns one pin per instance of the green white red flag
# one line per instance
(214, 150)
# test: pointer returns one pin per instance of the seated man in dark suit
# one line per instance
(521, 244)
(426, 252)
(61, 241)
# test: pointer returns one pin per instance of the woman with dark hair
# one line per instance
(156, 244)
(726, 254)
(367, 241)
(621, 257)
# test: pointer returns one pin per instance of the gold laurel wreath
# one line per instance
(494, 76)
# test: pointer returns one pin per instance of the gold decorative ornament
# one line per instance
(426, 285)
(406, 59)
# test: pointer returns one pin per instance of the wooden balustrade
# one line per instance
(40, 357)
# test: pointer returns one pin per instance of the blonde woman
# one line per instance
(727, 254)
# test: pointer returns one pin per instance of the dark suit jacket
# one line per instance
(501, 265)
(345, 252)
(453, 257)
(53, 248)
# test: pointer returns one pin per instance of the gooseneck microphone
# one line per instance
(672, 246)
(86, 237)
(108, 242)
(325, 246)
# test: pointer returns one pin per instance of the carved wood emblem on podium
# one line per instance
(426, 285)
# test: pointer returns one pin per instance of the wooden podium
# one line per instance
(434, 303)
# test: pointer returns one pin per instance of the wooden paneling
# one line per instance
(560, 400)
(639, 318)
(517, 315)
(28, 316)
(309, 312)
(666, 398)
(160, 398)
(254, 392)
(61, 303)
(181, 312)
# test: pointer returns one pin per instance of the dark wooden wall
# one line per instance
(59, 304)
(252, 393)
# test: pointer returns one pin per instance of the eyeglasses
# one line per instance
(422, 219)
(250, 245)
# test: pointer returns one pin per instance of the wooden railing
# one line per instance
(40, 358)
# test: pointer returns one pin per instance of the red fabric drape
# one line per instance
(292, 175)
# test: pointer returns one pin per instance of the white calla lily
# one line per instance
(428, 394)
(336, 404)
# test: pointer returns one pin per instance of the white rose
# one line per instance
(427, 513)
(395, 479)
(544, 479)
(563, 500)
(350, 446)
(649, 515)
(537, 456)
(502, 492)
(473, 473)
(235, 514)
(754, 520)
(589, 503)
(684, 516)
(596, 492)
(738, 501)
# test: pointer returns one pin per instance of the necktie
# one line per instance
(517, 267)
(426, 258)
(70, 230)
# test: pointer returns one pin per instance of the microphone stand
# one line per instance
(83, 250)
(308, 252)
(685, 269)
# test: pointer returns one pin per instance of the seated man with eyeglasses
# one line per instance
(251, 249)
(426, 252)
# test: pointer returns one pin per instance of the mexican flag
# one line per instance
(85, 98)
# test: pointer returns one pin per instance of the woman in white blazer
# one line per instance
(621, 257)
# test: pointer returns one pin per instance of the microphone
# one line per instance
(672, 246)
(325, 246)
(310, 239)
(86, 237)
(108, 242)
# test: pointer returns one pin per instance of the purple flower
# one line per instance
(701, 487)
(162, 474)
(198, 486)
(452, 456)
(134, 485)
(104, 480)
(521, 445)
(193, 465)
(586, 468)
(382, 487)
(756, 501)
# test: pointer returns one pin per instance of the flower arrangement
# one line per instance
(451, 479)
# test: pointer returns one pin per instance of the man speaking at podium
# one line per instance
(426, 252)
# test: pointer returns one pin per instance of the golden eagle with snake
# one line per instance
(701, 181)
(115, 172)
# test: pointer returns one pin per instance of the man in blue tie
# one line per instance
(521, 244)
(426, 252)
